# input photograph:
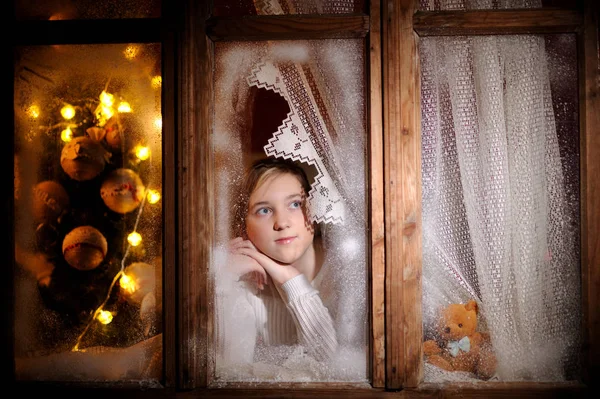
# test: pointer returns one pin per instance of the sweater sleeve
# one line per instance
(235, 323)
(313, 321)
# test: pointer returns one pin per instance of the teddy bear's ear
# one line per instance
(472, 305)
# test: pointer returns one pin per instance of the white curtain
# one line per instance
(496, 216)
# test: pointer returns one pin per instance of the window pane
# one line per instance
(86, 9)
(277, 7)
(500, 162)
(303, 101)
(88, 177)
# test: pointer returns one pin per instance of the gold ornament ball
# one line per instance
(142, 281)
(84, 248)
(50, 200)
(122, 191)
(83, 158)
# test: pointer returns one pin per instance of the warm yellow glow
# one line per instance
(134, 239)
(66, 135)
(127, 283)
(158, 123)
(153, 196)
(107, 99)
(142, 152)
(33, 111)
(131, 52)
(124, 107)
(157, 82)
(67, 112)
(104, 316)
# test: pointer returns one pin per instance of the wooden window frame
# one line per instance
(392, 30)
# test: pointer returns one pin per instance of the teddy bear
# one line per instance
(458, 345)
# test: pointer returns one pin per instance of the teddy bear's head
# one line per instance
(458, 321)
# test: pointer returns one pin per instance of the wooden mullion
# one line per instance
(196, 196)
(496, 22)
(377, 225)
(402, 156)
(589, 101)
(287, 27)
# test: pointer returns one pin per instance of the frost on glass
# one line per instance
(88, 222)
(86, 9)
(500, 156)
(303, 101)
(279, 7)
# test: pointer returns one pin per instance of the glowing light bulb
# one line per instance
(66, 135)
(67, 112)
(134, 239)
(104, 317)
(33, 111)
(127, 283)
(153, 196)
(131, 52)
(158, 123)
(124, 107)
(156, 82)
(142, 152)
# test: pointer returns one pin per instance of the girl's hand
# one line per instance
(280, 273)
(245, 267)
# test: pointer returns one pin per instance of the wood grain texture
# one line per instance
(402, 152)
(196, 194)
(287, 27)
(377, 229)
(589, 83)
(496, 22)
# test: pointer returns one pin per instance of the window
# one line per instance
(190, 35)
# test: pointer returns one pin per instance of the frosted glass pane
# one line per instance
(500, 172)
(86, 9)
(88, 177)
(303, 101)
(283, 7)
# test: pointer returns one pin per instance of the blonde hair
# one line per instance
(255, 176)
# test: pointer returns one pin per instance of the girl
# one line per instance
(270, 286)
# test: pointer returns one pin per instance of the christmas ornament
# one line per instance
(84, 248)
(122, 191)
(83, 158)
(50, 200)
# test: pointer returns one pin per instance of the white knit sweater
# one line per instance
(248, 318)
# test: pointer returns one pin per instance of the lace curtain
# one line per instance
(496, 212)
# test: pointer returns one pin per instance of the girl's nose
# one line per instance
(281, 222)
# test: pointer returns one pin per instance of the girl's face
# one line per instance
(276, 222)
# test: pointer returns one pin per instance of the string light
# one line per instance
(104, 111)
(153, 196)
(131, 52)
(33, 111)
(67, 112)
(156, 82)
(142, 152)
(127, 283)
(66, 135)
(134, 239)
(158, 123)
(124, 107)
(104, 316)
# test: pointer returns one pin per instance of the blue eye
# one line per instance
(262, 211)
(296, 204)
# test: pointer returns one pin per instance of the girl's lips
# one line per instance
(285, 240)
